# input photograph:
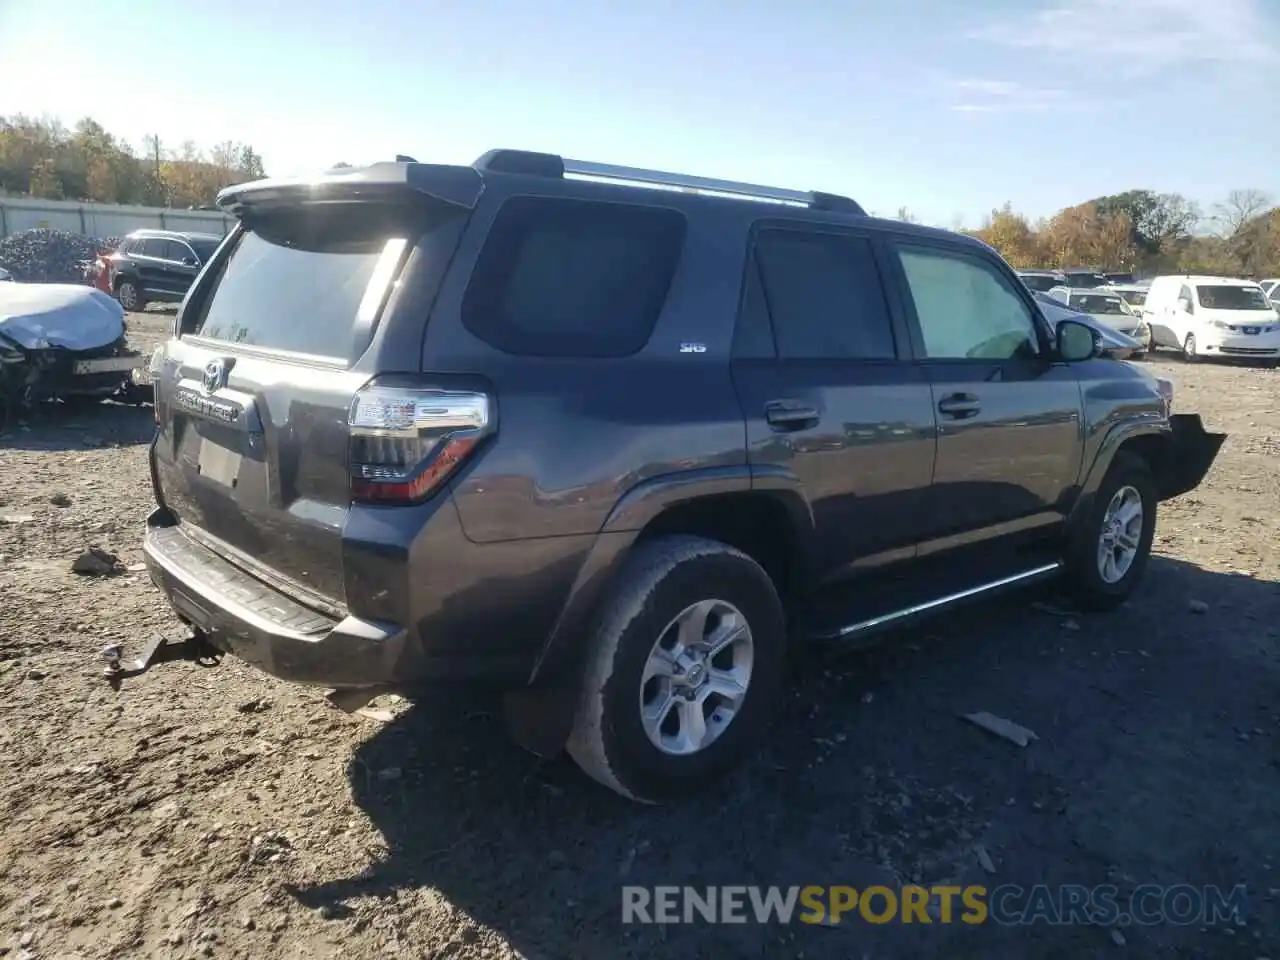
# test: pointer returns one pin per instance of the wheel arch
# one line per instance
(773, 526)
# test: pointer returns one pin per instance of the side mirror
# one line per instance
(1078, 341)
(190, 262)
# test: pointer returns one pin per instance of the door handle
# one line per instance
(785, 415)
(959, 406)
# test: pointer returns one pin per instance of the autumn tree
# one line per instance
(1012, 235)
(1083, 236)
(41, 158)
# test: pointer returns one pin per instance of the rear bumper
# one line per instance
(1192, 452)
(257, 623)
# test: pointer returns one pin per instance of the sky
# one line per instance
(947, 108)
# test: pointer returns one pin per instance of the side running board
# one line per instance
(894, 618)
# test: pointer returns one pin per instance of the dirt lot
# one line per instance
(215, 812)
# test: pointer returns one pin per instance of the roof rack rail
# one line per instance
(551, 165)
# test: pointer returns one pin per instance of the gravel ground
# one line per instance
(216, 812)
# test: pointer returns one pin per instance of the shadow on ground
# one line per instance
(80, 425)
(1158, 762)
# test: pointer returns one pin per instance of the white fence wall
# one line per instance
(103, 219)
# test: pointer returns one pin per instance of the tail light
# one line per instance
(406, 442)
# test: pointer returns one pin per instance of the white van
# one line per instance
(1212, 317)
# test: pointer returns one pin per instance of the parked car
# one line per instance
(158, 266)
(1114, 344)
(1107, 307)
(1041, 281)
(1118, 278)
(533, 423)
(60, 341)
(1272, 290)
(1213, 317)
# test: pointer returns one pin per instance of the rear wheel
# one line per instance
(686, 663)
(1111, 544)
(130, 296)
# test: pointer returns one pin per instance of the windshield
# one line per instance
(1100, 303)
(1232, 298)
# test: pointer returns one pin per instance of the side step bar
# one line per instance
(864, 628)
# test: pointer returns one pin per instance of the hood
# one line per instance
(1238, 318)
(44, 316)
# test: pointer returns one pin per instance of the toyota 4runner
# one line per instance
(612, 438)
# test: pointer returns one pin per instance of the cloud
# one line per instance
(995, 88)
(1005, 96)
(1146, 35)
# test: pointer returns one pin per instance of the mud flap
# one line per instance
(1192, 452)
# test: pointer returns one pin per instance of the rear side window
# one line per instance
(298, 280)
(825, 297)
(573, 278)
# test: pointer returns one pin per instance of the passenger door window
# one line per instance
(177, 251)
(154, 247)
(966, 309)
(825, 296)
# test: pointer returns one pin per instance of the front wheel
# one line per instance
(686, 663)
(1111, 544)
(1190, 351)
(130, 296)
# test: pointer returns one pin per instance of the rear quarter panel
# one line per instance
(575, 435)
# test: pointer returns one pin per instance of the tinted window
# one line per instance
(296, 280)
(204, 249)
(573, 278)
(966, 309)
(176, 251)
(1040, 283)
(824, 296)
(154, 247)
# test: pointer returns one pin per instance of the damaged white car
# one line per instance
(59, 341)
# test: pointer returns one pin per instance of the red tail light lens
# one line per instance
(405, 443)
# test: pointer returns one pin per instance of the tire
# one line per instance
(661, 580)
(130, 296)
(1091, 587)
(1189, 352)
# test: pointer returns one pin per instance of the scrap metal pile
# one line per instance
(51, 256)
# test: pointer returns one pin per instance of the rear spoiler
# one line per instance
(458, 186)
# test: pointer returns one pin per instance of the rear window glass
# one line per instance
(573, 278)
(296, 281)
(1039, 282)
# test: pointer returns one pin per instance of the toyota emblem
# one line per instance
(215, 376)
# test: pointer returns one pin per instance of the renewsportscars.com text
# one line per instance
(1009, 904)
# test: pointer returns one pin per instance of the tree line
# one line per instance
(42, 158)
(1147, 233)
(1139, 230)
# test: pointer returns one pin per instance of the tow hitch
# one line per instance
(159, 649)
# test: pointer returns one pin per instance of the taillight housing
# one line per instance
(406, 442)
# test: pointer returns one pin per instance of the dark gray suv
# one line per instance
(614, 438)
